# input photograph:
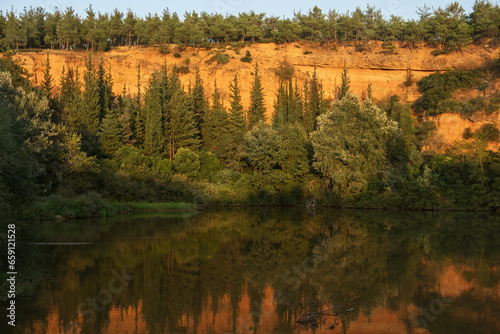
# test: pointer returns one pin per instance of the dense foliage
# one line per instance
(450, 28)
(170, 142)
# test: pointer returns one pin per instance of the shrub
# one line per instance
(443, 51)
(307, 52)
(187, 60)
(177, 55)
(247, 58)
(164, 49)
(181, 69)
(467, 134)
(210, 166)
(187, 162)
(220, 58)
(284, 71)
(488, 132)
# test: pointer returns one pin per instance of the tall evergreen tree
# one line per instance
(315, 104)
(257, 108)
(111, 136)
(344, 86)
(89, 115)
(154, 136)
(47, 84)
(216, 127)
(199, 102)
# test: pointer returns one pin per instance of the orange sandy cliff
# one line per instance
(386, 72)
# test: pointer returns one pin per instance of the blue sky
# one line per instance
(403, 8)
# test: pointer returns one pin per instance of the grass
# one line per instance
(94, 205)
(172, 206)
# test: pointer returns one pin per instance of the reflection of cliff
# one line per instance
(220, 317)
(232, 271)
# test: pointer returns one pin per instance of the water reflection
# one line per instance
(260, 270)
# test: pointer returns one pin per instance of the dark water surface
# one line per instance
(268, 271)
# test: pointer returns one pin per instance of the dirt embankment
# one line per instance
(386, 72)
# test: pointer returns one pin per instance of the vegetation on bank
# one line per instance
(449, 28)
(83, 151)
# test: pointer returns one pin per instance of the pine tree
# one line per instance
(369, 92)
(237, 124)
(111, 135)
(90, 109)
(154, 137)
(280, 115)
(344, 87)
(198, 101)
(215, 127)
(315, 104)
(47, 84)
(257, 109)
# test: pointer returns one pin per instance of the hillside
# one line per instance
(385, 71)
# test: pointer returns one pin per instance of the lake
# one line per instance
(265, 270)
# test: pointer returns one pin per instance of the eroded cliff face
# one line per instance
(386, 72)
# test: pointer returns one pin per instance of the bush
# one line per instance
(187, 162)
(220, 58)
(183, 69)
(284, 71)
(443, 51)
(307, 52)
(210, 166)
(177, 55)
(187, 60)
(467, 134)
(488, 132)
(247, 58)
(164, 49)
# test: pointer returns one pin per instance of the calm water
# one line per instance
(269, 271)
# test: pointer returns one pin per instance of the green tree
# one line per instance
(187, 162)
(13, 33)
(315, 103)
(257, 108)
(47, 84)
(198, 101)
(68, 28)
(347, 160)
(216, 127)
(346, 81)
(111, 135)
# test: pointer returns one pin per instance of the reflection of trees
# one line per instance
(183, 267)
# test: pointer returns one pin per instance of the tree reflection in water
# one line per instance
(239, 270)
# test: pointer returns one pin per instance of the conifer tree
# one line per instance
(315, 104)
(47, 84)
(344, 86)
(111, 133)
(281, 104)
(198, 101)
(89, 112)
(237, 124)
(215, 127)
(257, 109)
(154, 138)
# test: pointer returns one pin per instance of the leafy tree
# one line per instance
(348, 161)
(263, 148)
(257, 109)
(187, 162)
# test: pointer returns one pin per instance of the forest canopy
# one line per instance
(449, 27)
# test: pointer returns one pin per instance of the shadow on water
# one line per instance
(264, 269)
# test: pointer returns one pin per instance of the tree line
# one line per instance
(171, 142)
(449, 27)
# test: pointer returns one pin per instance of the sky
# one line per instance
(403, 8)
